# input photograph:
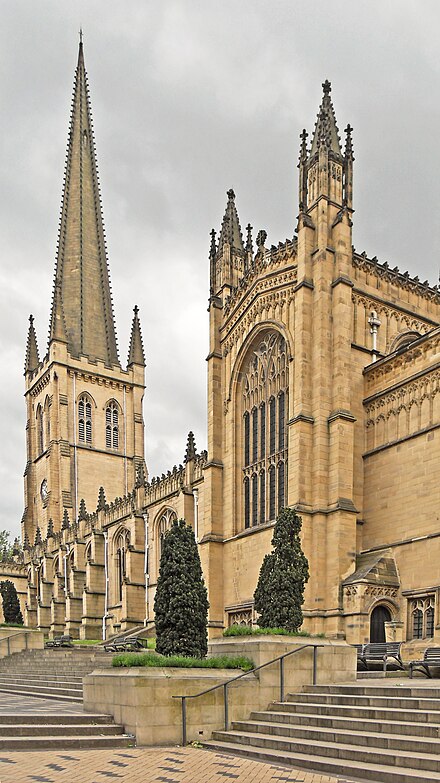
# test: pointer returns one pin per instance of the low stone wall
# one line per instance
(141, 698)
(19, 640)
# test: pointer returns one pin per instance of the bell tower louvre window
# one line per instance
(265, 390)
(85, 420)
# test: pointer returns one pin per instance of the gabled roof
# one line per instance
(81, 272)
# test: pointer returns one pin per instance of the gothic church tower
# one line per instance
(84, 411)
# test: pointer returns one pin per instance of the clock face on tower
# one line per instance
(44, 490)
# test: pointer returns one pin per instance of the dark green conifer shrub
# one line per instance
(280, 590)
(11, 604)
(181, 601)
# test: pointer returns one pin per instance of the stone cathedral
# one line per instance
(323, 395)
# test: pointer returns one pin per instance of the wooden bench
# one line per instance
(125, 645)
(60, 641)
(431, 657)
(379, 651)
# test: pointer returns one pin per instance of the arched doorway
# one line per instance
(379, 616)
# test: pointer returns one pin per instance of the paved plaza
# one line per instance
(149, 765)
(132, 765)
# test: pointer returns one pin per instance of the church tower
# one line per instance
(84, 411)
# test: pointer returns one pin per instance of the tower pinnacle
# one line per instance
(136, 353)
(32, 356)
(81, 273)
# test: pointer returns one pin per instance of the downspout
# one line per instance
(75, 452)
(125, 440)
(104, 619)
(146, 568)
(196, 514)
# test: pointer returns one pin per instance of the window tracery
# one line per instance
(112, 425)
(84, 420)
(264, 434)
(164, 523)
(422, 617)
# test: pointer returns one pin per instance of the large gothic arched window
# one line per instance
(112, 425)
(264, 436)
(164, 523)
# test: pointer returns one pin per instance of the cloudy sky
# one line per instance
(190, 98)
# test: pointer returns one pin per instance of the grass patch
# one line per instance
(13, 625)
(153, 659)
(245, 630)
(86, 642)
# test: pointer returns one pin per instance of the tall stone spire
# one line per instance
(136, 353)
(326, 129)
(32, 359)
(81, 273)
(57, 329)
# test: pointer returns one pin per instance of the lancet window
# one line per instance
(164, 523)
(422, 617)
(112, 426)
(122, 541)
(84, 420)
(264, 434)
(40, 430)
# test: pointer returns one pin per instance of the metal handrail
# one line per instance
(25, 631)
(225, 685)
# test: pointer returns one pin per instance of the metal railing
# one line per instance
(225, 685)
(11, 635)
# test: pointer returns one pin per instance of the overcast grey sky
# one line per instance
(190, 98)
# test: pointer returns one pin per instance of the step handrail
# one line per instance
(25, 631)
(225, 685)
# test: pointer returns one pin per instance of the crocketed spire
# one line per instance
(82, 286)
(326, 129)
(32, 359)
(230, 232)
(136, 353)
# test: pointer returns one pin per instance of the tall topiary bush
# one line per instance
(181, 601)
(11, 604)
(280, 590)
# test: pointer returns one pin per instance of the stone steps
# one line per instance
(371, 733)
(66, 742)
(33, 693)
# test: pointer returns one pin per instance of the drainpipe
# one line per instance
(125, 440)
(146, 568)
(196, 514)
(104, 619)
(75, 452)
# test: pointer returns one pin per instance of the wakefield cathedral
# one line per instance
(323, 395)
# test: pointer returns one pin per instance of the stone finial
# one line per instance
(348, 142)
(16, 549)
(66, 521)
(213, 246)
(190, 452)
(50, 530)
(249, 242)
(261, 239)
(303, 146)
(32, 359)
(136, 354)
(26, 544)
(101, 500)
(140, 476)
(38, 538)
(326, 87)
(82, 513)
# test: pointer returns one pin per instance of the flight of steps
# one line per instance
(55, 673)
(59, 731)
(386, 734)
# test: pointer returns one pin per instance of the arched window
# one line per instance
(40, 430)
(422, 617)
(122, 541)
(164, 523)
(112, 426)
(84, 420)
(264, 435)
(46, 435)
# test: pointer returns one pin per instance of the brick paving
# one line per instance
(147, 765)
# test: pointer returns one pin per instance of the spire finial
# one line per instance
(327, 87)
(190, 452)
(230, 194)
(31, 319)
(80, 36)
(213, 247)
